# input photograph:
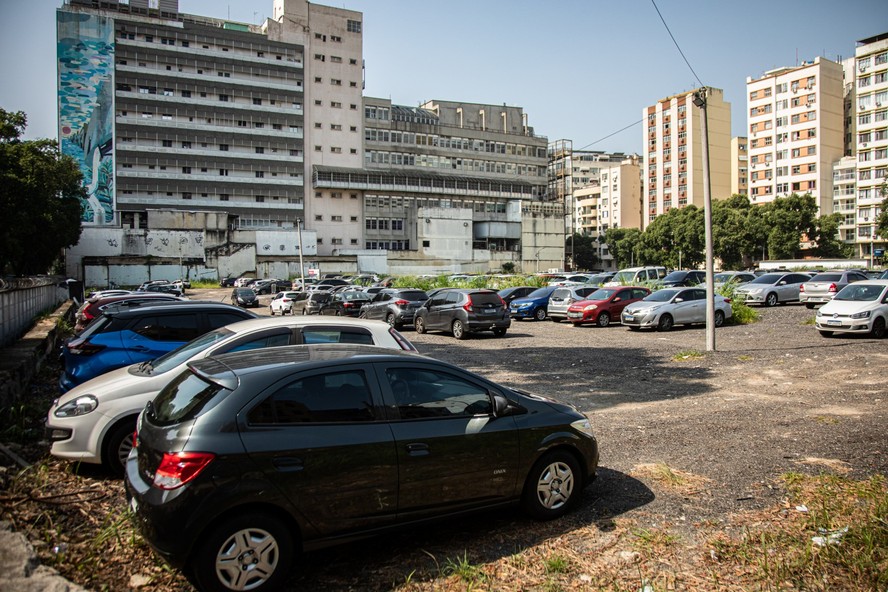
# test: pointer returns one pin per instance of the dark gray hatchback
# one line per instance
(464, 311)
(248, 458)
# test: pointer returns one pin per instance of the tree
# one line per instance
(585, 254)
(882, 220)
(40, 197)
(826, 237)
(623, 244)
(738, 232)
(787, 219)
(675, 239)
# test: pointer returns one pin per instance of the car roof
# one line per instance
(298, 321)
(173, 307)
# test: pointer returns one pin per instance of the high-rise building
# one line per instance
(673, 165)
(871, 57)
(740, 168)
(845, 197)
(796, 120)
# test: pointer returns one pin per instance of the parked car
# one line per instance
(463, 311)
(821, 288)
(563, 297)
(260, 454)
(396, 306)
(227, 282)
(633, 276)
(164, 287)
(243, 281)
(604, 305)
(282, 303)
(106, 293)
(94, 307)
(732, 278)
(668, 307)
(346, 303)
(244, 297)
(577, 279)
(600, 279)
(510, 294)
(312, 303)
(772, 289)
(94, 422)
(123, 337)
(860, 307)
(533, 306)
(268, 286)
(683, 278)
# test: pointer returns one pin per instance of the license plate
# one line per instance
(575, 315)
(833, 322)
(628, 317)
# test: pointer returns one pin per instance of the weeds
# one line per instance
(557, 564)
(688, 354)
(464, 570)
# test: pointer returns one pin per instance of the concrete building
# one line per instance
(673, 165)
(740, 168)
(871, 56)
(795, 131)
(845, 197)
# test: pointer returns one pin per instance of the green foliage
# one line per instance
(787, 219)
(738, 232)
(882, 220)
(491, 282)
(827, 240)
(508, 267)
(741, 314)
(585, 251)
(622, 243)
(40, 193)
(675, 239)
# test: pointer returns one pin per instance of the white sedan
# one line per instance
(94, 422)
(861, 307)
(665, 308)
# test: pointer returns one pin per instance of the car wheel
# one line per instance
(553, 486)
(362, 315)
(604, 319)
(459, 330)
(540, 314)
(249, 552)
(771, 300)
(719, 318)
(390, 319)
(271, 310)
(419, 326)
(338, 313)
(555, 319)
(304, 312)
(878, 330)
(826, 333)
(118, 445)
(665, 323)
(634, 328)
(809, 306)
(499, 332)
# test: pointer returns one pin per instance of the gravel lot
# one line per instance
(775, 397)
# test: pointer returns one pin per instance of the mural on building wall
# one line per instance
(86, 107)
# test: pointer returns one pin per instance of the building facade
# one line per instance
(740, 168)
(673, 165)
(796, 118)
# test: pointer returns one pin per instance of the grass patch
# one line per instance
(809, 321)
(463, 569)
(673, 479)
(653, 541)
(687, 355)
(557, 564)
(745, 358)
(840, 543)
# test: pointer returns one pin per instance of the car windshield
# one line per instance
(172, 359)
(725, 277)
(355, 296)
(602, 294)
(675, 276)
(244, 292)
(768, 278)
(661, 296)
(859, 293)
(541, 292)
(623, 277)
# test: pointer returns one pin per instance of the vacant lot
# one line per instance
(694, 447)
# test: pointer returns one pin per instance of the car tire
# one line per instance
(390, 319)
(809, 306)
(553, 486)
(304, 312)
(540, 314)
(719, 318)
(604, 319)
(419, 326)
(271, 310)
(117, 446)
(826, 333)
(634, 328)
(666, 323)
(771, 299)
(219, 562)
(362, 315)
(499, 332)
(878, 330)
(459, 330)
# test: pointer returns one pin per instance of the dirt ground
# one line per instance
(775, 398)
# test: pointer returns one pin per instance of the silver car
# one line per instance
(668, 307)
(772, 289)
(563, 297)
(821, 288)
(732, 278)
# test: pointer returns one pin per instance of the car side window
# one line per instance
(180, 327)
(422, 394)
(261, 342)
(453, 298)
(340, 397)
(336, 335)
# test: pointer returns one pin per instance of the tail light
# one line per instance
(348, 305)
(286, 300)
(177, 469)
(468, 305)
(402, 302)
(832, 288)
(802, 288)
(727, 300)
(82, 347)
(402, 341)
(504, 303)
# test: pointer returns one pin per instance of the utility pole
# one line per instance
(301, 266)
(700, 97)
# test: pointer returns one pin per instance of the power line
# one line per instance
(611, 135)
(676, 43)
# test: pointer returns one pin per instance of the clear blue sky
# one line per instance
(581, 69)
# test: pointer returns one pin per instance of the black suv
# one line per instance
(683, 279)
(245, 459)
(244, 297)
(395, 306)
(464, 311)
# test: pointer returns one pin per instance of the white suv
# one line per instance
(637, 276)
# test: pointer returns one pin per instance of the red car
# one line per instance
(604, 305)
(93, 308)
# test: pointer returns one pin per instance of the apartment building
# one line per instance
(871, 102)
(795, 131)
(673, 165)
(740, 166)
(845, 197)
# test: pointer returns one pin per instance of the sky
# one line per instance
(582, 70)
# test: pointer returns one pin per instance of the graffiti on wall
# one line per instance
(86, 107)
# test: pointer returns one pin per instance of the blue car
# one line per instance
(121, 337)
(533, 306)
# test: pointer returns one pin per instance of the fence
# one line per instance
(23, 299)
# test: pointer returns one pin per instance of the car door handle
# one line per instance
(287, 464)
(139, 348)
(418, 449)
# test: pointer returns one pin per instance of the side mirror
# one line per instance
(677, 300)
(502, 407)
(617, 299)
